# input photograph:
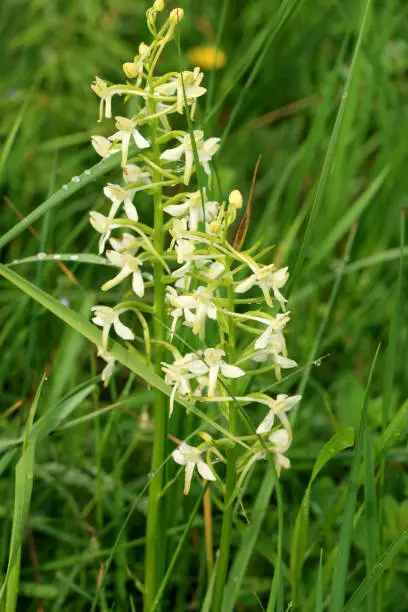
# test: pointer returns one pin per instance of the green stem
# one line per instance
(155, 529)
(226, 529)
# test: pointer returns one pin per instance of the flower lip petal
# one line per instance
(205, 471)
(231, 371)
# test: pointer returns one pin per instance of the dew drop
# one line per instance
(41, 255)
(65, 302)
(318, 362)
(74, 257)
(65, 187)
(75, 179)
(57, 257)
(87, 172)
(15, 261)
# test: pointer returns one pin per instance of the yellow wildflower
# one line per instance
(207, 57)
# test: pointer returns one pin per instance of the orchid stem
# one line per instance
(155, 529)
(226, 529)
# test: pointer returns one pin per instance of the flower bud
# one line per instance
(235, 199)
(130, 70)
(214, 227)
(176, 15)
(143, 49)
(158, 5)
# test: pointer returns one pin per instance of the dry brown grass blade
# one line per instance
(243, 226)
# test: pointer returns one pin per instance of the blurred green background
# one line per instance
(277, 96)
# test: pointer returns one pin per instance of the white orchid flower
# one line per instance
(216, 365)
(281, 441)
(110, 365)
(127, 243)
(267, 278)
(192, 88)
(127, 130)
(206, 149)
(190, 457)
(129, 265)
(101, 88)
(103, 225)
(193, 206)
(117, 195)
(200, 301)
(106, 317)
(273, 346)
(134, 174)
(278, 407)
(103, 146)
(180, 372)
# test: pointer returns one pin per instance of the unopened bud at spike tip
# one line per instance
(158, 5)
(235, 199)
(176, 15)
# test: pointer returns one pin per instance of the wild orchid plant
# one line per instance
(195, 277)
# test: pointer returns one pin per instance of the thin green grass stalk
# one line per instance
(332, 148)
(177, 552)
(227, 516)
(370, 515)
(322, 328)
(319, 586)
(156, 527)
(389, 374)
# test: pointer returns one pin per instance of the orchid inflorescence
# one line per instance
(205, 277)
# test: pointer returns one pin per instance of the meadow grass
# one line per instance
(319, 91)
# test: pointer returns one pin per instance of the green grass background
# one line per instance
(330, 196)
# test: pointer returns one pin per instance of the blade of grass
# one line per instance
(340, 441)
(22, 498)
(350, 217)
(332, 148)
(370, 515)
(319, 586)
(339, 579)
(383, 562)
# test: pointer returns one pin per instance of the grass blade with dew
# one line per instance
(126, 357)
(22, 497)
(339, 578)
(332, 148)
(76, 183)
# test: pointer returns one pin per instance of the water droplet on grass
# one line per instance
(74, 257)
(76, 179)
(65, 187)
(41, 255)
(87, 172)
